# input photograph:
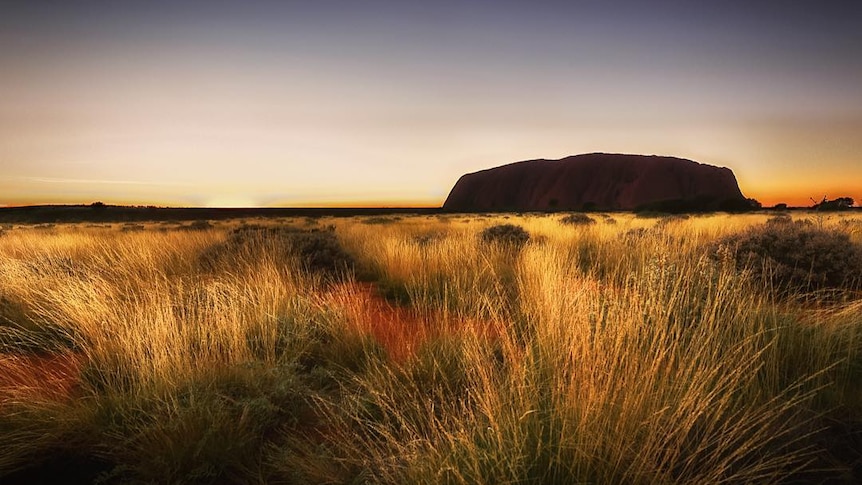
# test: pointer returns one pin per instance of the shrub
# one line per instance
(577, 220)
(321, 251)
(506, 234)
(793, 258)
(841, 203)
(318, 251)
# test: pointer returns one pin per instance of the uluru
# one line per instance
(598, 181)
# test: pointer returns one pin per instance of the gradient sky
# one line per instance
(375, 102)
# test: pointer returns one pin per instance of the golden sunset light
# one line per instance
(307, 103)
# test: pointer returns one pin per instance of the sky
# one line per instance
(363, 103)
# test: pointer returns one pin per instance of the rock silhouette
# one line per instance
(598, 181)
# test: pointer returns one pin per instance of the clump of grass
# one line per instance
(199, 225)
(509, 235)
(381, 220)
(651, 214)
(637, 234)
(797, 258)
(671, 219)
(781, 218)
(23, 330)
(577, 219)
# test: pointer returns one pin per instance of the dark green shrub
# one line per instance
(506, 234)
(318, 251)
(577, 219)
(798, 258)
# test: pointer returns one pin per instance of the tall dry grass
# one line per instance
(606, 353)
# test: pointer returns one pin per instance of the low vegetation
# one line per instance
(427, 350)
(506, 234)
(578, 219)
(797, 258)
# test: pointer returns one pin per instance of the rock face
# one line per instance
(599, 181)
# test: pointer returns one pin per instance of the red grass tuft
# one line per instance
(38, 377)
(400, 330)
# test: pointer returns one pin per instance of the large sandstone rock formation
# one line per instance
(600, 181)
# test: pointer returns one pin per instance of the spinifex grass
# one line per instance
(600, 353)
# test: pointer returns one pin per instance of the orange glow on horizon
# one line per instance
(766, 198)
(802, 197)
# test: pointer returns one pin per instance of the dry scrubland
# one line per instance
(629, 350)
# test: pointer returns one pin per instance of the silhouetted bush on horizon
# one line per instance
(839, 204)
